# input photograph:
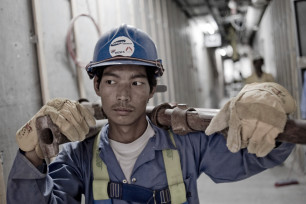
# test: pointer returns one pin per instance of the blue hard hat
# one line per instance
(125, 45)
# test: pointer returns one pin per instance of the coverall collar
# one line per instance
(155, 143)
(158, 143)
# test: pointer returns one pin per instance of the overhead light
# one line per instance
(252, 19)
(208, 28)
(212, 40)
(207, 24)
(229, 50)
(260, 3)
(222, 52)
(225, 51)
(232, 4)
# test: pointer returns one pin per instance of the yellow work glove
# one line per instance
(72, 119)
(254, 117)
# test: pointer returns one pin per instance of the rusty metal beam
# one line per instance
(191, 120)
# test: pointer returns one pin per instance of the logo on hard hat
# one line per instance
(121, 46)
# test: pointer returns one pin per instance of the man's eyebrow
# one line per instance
(138, 76)
(110, 74)
(134, 76)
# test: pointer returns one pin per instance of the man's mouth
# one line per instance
(123, 110)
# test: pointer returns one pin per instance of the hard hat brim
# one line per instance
(93, 66)
(121, 62)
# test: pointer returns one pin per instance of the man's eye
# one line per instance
(137, 83)
(110, 82)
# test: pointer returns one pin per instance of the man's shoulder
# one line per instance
(250, 79)
(268, 74)
(268, 77)
(78, 148)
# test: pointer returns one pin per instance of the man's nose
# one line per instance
(124, 93)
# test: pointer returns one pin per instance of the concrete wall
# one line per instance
(20, 88)
(276, 39)
(205, 89)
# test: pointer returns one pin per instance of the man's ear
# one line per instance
(96, 85)
(152, 92)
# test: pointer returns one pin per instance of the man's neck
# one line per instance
(127, 133)
(259, 73)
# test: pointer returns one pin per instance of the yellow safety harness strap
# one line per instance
(100, 173)
(174, 174)
(173, 171)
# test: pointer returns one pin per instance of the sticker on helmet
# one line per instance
(121, 46)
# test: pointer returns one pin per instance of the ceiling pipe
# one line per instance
(183, 8)
(253, 18)
(80, 80)
(216, 15)
(40, 51)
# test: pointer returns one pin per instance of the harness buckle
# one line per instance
(165, 196)
(114, 190)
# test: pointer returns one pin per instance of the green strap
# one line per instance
(174, 174)
(100, 173)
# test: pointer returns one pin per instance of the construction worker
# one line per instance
(258, 74)
(133, 161)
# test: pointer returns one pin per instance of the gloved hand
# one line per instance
(72, 119)
(254, 117)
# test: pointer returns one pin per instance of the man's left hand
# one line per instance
(254, 117)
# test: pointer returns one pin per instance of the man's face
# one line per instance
(258, 64)
(124, 91)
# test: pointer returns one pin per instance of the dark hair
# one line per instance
(150, 75)
(261, 60)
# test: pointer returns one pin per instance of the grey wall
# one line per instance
(20, 88)
(277, 41)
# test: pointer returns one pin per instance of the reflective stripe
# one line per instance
(174, 174)
(100, 173)
(173, 171)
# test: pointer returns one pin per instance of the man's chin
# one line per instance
(125, 120)
(120, 120)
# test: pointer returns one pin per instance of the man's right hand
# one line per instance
(72, 119)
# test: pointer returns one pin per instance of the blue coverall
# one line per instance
(70, 175)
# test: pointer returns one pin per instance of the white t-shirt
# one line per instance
(127, 154)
